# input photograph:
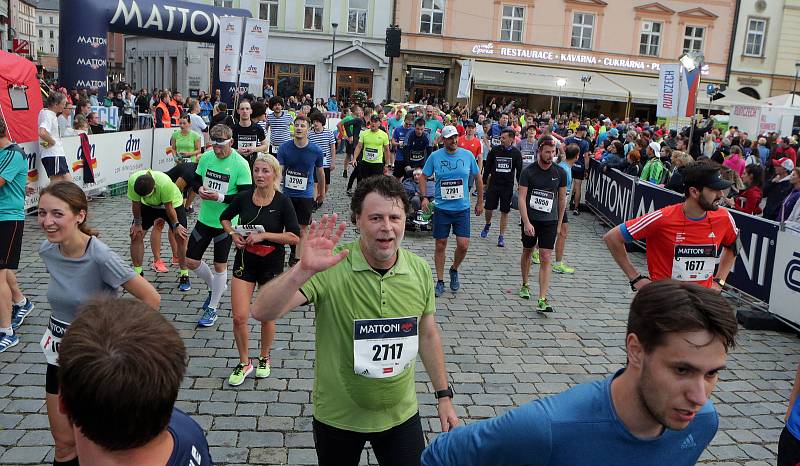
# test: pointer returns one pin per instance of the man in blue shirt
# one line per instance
(417, 146)
(493, 136)
(452, 167)
(656, 411)
(300, 163)
(432, 125)
(398, 146)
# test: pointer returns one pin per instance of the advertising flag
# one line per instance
(667, 106)
(254, 52)
(230, 43)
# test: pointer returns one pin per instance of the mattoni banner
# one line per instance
(756, 258)
(609, 193)
(786, 278)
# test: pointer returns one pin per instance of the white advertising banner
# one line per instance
(746, 118)
(465, 80)
(163, 158)
(254, 52)
(230, 43)
(785, 291)
(667, 105)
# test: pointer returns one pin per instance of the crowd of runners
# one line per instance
(261, 176)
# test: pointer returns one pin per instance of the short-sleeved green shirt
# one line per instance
(164, 192)
(349, 291)
(221, 175)
(372, 143)
(185, 143)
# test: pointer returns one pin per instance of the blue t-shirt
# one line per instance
(13, 169)
(394, 123)
(191, 447)
(416, 148)
(578, 426)
(299, 165)
(432, 126)
(494, 134)
(793, 424)
(584, 146)
(399, 134)
(568, 170)
(449, 169)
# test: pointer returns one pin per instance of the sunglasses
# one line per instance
(220, 142)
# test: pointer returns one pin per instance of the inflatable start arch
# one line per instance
(83, 46)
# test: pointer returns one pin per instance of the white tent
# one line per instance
(783, 101)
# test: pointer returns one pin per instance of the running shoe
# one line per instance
(209, 317)
(190, 210)
(525, 291)
(18, 313)
(239, 374)
(263, 368)
(350, 192)
(7, 341)
(454, 283)
(485, 231)
(501, 242)
(184, 284)
(207, 301)
(561, 267)
(576, 212)
(174, 261)
(344, 174)
(439, 288)
(535, 256)
(159, 266)
(543, 306)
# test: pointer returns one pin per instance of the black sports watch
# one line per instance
(636, 280)
(448, 392)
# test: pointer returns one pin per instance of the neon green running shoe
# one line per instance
(525, 291)
(561, 267)
(543, 306)
(535, 256)
(263, 368)
(239, 374)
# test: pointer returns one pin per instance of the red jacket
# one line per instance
(747, 201)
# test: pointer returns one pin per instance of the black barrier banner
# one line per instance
(649, 197)
(609, 194)
(752, 273)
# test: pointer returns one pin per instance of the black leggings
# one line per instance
(788, 449)
(353, 178)
(401, 445)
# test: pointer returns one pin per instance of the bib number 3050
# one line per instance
(384, 347)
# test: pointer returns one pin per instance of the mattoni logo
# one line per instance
(792, 274)
(93, 41)
(93, 63)
(90, 83)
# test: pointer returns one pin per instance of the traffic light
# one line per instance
(393, 34)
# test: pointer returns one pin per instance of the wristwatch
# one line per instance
(175, 225)
(448, 392)
(636, 280)
(720, 281)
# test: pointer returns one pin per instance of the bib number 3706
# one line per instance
(384, 347)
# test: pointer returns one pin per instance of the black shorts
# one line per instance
(150, 214)
(578, 173)
(10, 243)
(368, 169)
(303, 207)
(788, 449)
(256, 269)
(501, 197)
(544, 234)
(399, 169)
(55, 166)
(327, 171)
(184, 170)
(51, 380)
(202, 236)
(401, 445)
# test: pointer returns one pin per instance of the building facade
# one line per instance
(23, 25)
(5, 44)
(541, 49)
(47, 35)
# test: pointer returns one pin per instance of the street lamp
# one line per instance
(691, 61)
(333, 50)
(585, 79)
(794, 87)
(561, 82)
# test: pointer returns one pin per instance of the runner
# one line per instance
(375, 146)
(493, 135)
(683, 240)
(109, 336)
(527, 146)
(656, 411)
(360, 395)
(301, 164)
(503, 166)
(451, 167)
(248, 138)
(278, 123)
(580, 167)
(221, 174)
(266, 223)
(543, 192)
(417, 146)
(470, 142)
(398, 144)
(153, 195)
(14, 306)
(325, 140)
(572, 152)
(72, 252)
(51, 149)
(789, 442)
(352, 130)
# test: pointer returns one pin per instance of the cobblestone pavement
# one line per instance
(499, 352)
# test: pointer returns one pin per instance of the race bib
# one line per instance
(417, 155)
(51, 340)
(384, 347)
(542, 200)
(246, 230)
(694, 263)
(495, 141)
(452, 190)
(247, 141)
(370, 155)
(401, 143)
(503, 165)
(273, 150)
(217, 182)
(296, 180)
(527, 156)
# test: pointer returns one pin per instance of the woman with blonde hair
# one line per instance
(267, 222)
(679, 161)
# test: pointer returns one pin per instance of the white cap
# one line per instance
(449, 131)
(656, 147)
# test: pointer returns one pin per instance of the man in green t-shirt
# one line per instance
(374, 307)
(153, 195)
(375, 147)
(221, 174)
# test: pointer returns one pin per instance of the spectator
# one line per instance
(791, 200)
(63, 119)
(205, 108)
(95, 125)
(778, 188)
(80, 125)
(749, 199)
(679, 161)
(735, 161)
(269, 92)
(786, 150)
(93, 101)
(763, 150)
(653, 170)
(221, 116)
(633, 167)
(333, 104)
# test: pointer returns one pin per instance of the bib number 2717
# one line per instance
(384, 347)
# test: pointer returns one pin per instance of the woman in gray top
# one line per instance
(80, 267)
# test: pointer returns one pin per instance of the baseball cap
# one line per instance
(613, 132)
(655, 146)
(704, 175)
(582, 128)
(469, 123)
(449, 131)
(784, 162)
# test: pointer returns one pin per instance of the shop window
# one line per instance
(650, 38)
(223, 3)
(432, 17)
(357, 16)
(513, 19)
(289, 79)
(693, 39)
(756, 32)
(268, 11)
(313, 15)
(350, 80)
(582, 30)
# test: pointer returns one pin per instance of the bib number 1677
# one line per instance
(695, 266)
(382, 352)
